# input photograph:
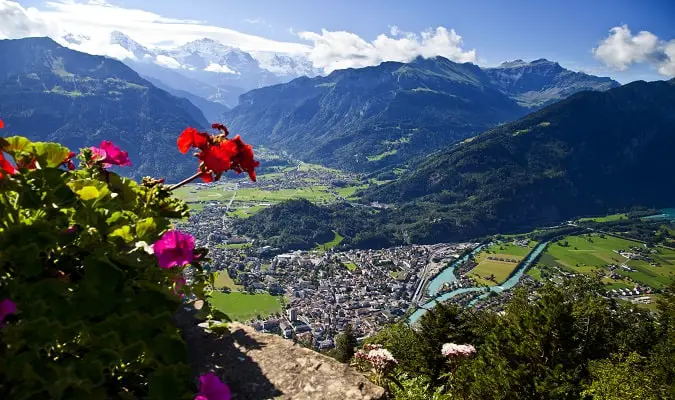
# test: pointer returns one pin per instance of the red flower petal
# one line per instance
(217, 158)
(191, 137)
(206, 177)
(221, 128)
(6, 165)
(2, 124)
(243, 159)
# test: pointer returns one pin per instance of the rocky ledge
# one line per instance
(262, 366)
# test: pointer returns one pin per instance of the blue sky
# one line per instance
(564, 31)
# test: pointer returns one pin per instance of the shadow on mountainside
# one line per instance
(227, 357)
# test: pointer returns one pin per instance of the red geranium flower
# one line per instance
(69, 161)
(191, 137)
(6, 166)
(221, 128)
(218, 154)
(243, 158)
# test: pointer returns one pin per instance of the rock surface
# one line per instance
(263, 366)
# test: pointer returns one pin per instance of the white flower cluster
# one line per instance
(457, 350)
(380, 358)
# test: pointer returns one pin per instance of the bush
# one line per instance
(87, 301)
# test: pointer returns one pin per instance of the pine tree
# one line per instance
(345, 344)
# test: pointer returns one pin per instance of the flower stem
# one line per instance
(184, 181)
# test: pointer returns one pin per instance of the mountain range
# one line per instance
(590, 154)
(51, 93)
(383, 116)
(206, 67)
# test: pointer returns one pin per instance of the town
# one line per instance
(322, 291)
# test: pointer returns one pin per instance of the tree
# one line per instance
(622, 378)
(345, 344)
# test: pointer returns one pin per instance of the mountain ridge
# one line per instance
(593, 153)
(383, 116)
(52, 93)
(587, 154)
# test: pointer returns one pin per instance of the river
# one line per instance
(666, 213)
(448, 275)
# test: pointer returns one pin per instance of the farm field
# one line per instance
(350, 266)
(234, 245)
(607, 218)
(589, 254)
(223, 280)
(333, 243)
(505, 258)
(245, 212)
(315, 194)
(244, 306)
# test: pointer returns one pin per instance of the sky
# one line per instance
(627, 40)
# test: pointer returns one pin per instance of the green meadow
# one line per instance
(241, 306)
(499, 269)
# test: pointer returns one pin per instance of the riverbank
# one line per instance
(506, 285)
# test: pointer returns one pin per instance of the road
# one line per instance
(423, 279)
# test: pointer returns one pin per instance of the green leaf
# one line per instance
(124, 233)
(50, 154)
(16, 145)
(116, 218)
(146, 229)
(27, 260)
(170, 350)
(102, 274)
(88, 193)
(169, 383)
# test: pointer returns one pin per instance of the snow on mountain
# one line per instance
(206, 67)
(139, 51)
(286, 66)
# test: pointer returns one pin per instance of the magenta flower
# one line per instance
(173, 249)
(211, 388)
(98, 154)
(7, 307)
(110, 155)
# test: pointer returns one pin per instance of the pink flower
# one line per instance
(457, 350)
(380, 358)
(97, 154)
(211, 388)
(110, 155)
(7, 307)
(115, 156)
(173, 249)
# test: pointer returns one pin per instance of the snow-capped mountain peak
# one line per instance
(286, 65)
(139, 51)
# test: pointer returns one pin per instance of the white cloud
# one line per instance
(18, 22)
(668, 68)
(621, 49)
(221, 69)
(168, 62)
(96, 19)
(340, 49)
(254, 20)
